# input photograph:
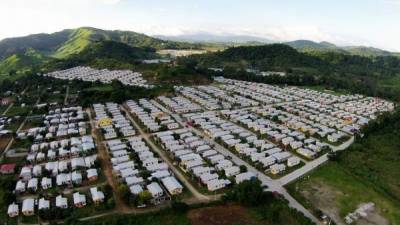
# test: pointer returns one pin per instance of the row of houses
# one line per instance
(207, 101)
(198, 158)
(29, 205)
(62, 162)
(150, 116)
(227, 99)
(369, 107)
(112, 122)
(131, 158)
(302, 125)
(263, 92)
(106, 76)
(179, 104)
(61, 149)
(58, 123)
(280, 134)
(244, 143)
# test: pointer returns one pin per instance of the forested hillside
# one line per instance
(331, 69)
(63, 44)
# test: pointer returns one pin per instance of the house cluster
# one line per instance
(150, 116)
(368, 108)
(139, 168)
(106, 76)
(281, 134)
(320, 97)
(224, 94)
(3, 123)
(243, 142)
(257, 91)
(58, 123)
(321, 127)
(65, 164)
(179, 104)
(199, 159)
(112, 122)
(29, 206)
(58, 158)
(207, 101)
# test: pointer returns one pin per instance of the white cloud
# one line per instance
(110, 2)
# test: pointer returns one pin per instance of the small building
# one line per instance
(20, 186)
(43, 204)
(244, 177)
(293, 161)
(79, 200)
(155, 190)
(277, 168)
(8, 168)
(61, 202)
(28, 207)
(13, 210)
(97, 196)
(172, 185)
(92, 174)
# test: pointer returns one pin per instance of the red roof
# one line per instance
(8, 167)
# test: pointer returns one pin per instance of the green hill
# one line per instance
(18, 62)
(311, 46)
(69, 42)
(103, 54)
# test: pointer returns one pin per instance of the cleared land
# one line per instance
(336, 192)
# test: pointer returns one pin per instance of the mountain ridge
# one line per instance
(301, 45)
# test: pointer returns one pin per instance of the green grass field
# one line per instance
(349, 191)
(18, 111)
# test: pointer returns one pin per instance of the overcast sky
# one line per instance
(344, 22)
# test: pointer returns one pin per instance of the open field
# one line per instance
(336, 192)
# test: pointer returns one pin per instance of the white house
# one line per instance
(13, 210)
(172, 185)
(28, 207)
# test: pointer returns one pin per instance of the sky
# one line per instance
(343, 22)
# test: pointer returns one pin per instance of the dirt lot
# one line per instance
(4, 142)
(324, 197)
(220, 215)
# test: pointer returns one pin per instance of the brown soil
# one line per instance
(4, 142)
(220, 215)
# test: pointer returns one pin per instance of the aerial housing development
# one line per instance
(195, 145)
(106, 76)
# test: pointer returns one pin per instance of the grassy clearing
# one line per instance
(18, 111)
(349, 191)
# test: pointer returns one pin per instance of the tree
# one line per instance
(248, 193)
(144, 197)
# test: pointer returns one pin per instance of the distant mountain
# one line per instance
(311, 46)
(368, 51)
(204, 37)
(229, 40)
(72, 41)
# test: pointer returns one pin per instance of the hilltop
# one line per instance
(15, 52)
(311, 46)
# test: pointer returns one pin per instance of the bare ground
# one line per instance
(220, 215)
(324, 197)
